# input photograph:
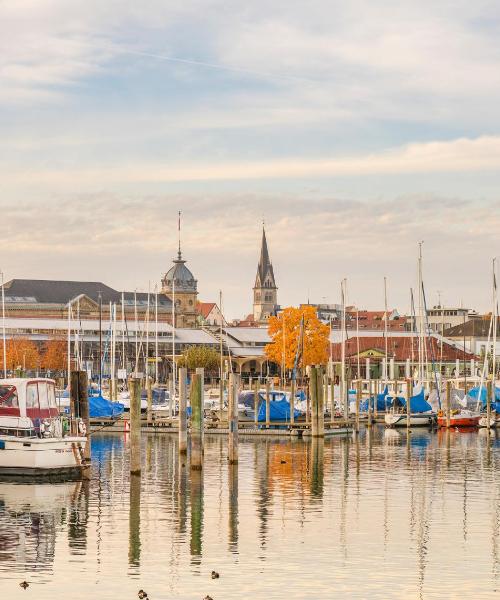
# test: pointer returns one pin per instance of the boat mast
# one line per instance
(495, 310)
(156, 334)
(146, 360)
(221, 350)
(136, 334)
(343, 391)
(385, 329)
(124, 363)
(3, 332)
(100, 344)
(420, 318)
(69, 344)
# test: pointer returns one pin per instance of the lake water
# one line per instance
(373, 517)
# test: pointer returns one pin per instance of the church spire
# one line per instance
(265, 289)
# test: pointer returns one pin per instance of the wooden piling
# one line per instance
(233, 418)
(196, 422)
(79, 402)
(448, 403)
(268, 404)
(149, 392)
(221, 397)
(256, 401)
(182, 410)
(489, 393)
(358, 402)
(292, 402)
(408, 402)
(316, 393)
(134, 386)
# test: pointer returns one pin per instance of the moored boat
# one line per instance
(423, 419)
(33, 437)
(462, 418)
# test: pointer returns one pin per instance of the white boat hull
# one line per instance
(483, 422)
(40, 456)
(416, 419)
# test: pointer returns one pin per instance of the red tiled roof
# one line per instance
(400, 348)
(205, 308)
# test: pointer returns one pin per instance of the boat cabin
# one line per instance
(27, 406)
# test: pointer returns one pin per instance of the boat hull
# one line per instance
(494, 423)
(416, 419)
(460, 421)
(41, 456)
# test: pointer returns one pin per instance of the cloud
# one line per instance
(128, 241)
(460, 155)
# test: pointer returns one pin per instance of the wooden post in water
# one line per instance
(268, 404)
(490, 390)
(317, 411)
(313, 394)
(182, 410)
(171, 393)
(134, 386)
(448, 403)
(221, 397)
(371, 387)
(256, 401)
(80, 407)
(196, 422)
(332, 397)
(201, 372)
(292, 402)
(149, 393)
(232, 416)
(408, 403)
(358, 402)
(375, 398)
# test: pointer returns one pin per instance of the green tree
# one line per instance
(199, 356)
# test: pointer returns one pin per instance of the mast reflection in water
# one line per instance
(380, 515)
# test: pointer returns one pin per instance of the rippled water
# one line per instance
(374, 517)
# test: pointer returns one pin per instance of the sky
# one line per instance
(354, 129)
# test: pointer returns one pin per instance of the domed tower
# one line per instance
(182, 288)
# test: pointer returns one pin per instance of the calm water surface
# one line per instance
(374, 517)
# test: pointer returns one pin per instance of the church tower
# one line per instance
(265, 292)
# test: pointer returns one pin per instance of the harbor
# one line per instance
(249, 313)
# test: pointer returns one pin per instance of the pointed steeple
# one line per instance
(265, 268)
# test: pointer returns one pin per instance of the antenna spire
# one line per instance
(179, 255)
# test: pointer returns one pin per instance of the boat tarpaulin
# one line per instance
(383, 402)
(474, 393)
(100, 407)
(279, 410)
(418, 403)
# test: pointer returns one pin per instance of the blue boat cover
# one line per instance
(383, 402)
(279, 410)
(100, 407)
(474, 393)
(418, 403)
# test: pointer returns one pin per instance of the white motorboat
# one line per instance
(423, 419)
(494, 421)
(32, 436)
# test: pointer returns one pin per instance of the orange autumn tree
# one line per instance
(316, 337)
(55, 355)
(21, 353)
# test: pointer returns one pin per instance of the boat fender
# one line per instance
(82, 428)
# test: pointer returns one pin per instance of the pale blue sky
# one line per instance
(356, 129)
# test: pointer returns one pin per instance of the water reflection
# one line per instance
(30, 516)
(384, 514)
(196, 515)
